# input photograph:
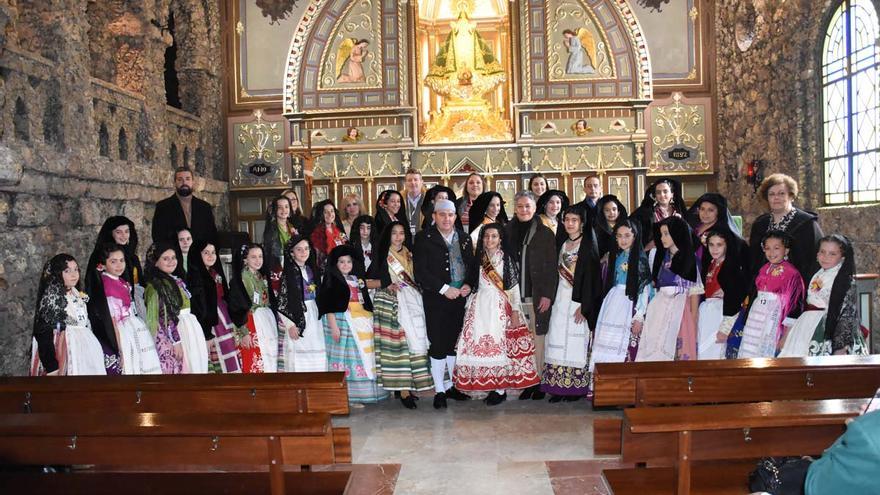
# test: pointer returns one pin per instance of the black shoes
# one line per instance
(440, 401)
(533, 392)
(538, 395)
(526, 394)
(409, 401)
(555, 399)
(494, 398)
(572, 398)
(455, 394)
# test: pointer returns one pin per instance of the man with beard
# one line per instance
(441, 258)
(533, 246)
(183, 211)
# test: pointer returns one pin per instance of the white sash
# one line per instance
(195, 349)
(267, 334)
(410, 310)
(662, 324)
(566, 342)
(611, 338)
(759, 334)
(362, 332)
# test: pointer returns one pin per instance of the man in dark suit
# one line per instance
(183, 211)
(592, 193)
(441, 257)
(414, 196)
(534, 247)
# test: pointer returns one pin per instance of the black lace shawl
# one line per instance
(478, 210)
(510, 277)
(51, 310)
(684, 262)
(645, 212)
(290, 295)
(637, 279)
(132, 262)
(605, 240)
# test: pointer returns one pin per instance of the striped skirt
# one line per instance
(345, 356)
(396, 367)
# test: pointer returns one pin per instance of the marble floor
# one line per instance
(518, 447)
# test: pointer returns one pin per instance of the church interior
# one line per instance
(101, 101)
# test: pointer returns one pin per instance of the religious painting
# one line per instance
(356, 189)
(320, 193)
(507, 189)
(385, 186)
(581, 128)
(581, 51)
(350, 60)
(352, 135)
(578, 49)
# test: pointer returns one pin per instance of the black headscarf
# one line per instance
(510, 277)
(271, 245)
(842, 282)
(645, 212)
(290, 294)
(99, 311)
(382, 218)
(239, 300)
(379, 267)
(604, 234)
(51, 310)
(684, 261)
(732, 274)
(133, 273)
(479, 207)
(204, 304)
(334, 294)
(725, 219)
(541, 206)
(354, 239)
(170, 298)
(638, 278)
(587, 281)
(428, 205)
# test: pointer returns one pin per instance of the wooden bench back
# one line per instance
(735, 380)
(234, 393)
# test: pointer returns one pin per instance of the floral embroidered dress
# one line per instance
(780, 291)
(137, 348)
(170, 329)
(711, 317)
(63, 336)
(224, 356)
(493, 352)
(262, 355)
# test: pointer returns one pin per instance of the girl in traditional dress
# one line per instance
(184, 242)
(538, 185)
(276, 235)
(489, 207)
(345, 307)
(432, 195)
(627, 290)
(362, 241)
(119, 230)
(473, 187)
(670, 331)
(216, 322)
(726, 288)
(566, 368)
(389, 208)
(63, 341)
(496, 350)
(709, 213)
(550, 206)
(302, 333)
(779, 295)
(114, 320)
(830, 322)
(297, 219)
(256, 326)
(327, 230)
(399, 334)
(609, 212)
(662, 199)
(180, 340)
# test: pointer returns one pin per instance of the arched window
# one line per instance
(851, 104)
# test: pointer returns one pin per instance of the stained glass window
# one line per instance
(851, 104)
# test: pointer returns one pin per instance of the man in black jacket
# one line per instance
(441, 257)
(183, 210)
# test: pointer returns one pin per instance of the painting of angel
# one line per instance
(581, 51)
(350, 61)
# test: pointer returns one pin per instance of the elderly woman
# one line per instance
(779, 191)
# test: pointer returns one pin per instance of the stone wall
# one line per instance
(85, 132)
(768, 101)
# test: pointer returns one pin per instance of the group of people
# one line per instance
(452, 294)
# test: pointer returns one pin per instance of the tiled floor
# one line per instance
(519, 447)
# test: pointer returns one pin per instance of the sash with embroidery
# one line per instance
(399, 270)
(492, 274)
(566, 274)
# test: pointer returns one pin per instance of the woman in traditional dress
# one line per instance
(63, 341)
(776, 300)
(550, 206)
(433, 194)
(726, 288)
(496, 350)
(179, 337)
(216, 322)
(302, 333)
(627, 291)
(830, 322)
(609, 212)
(538, 185)
(297, 218)
(351, 209)
(114, 320)
(184, 242)
(489, 208)
(566, 358)
(362, 241)
(670, 332)
(327, 231)
(473, 187)
(399, 332)
(119, 230)
(662, 199)
(256, 326)
(389, 208)
(345, 308)
(710, 213)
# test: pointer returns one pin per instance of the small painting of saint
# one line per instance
(350, 61)
(581, 128)
(581, 51)
(352, 135)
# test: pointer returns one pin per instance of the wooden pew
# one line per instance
(168, 440)
(682, 436)
(267, 393)
(725, 381)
